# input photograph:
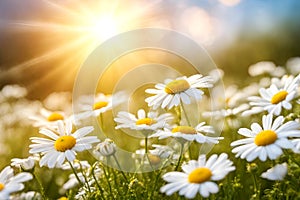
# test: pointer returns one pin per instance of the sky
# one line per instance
(39, 39)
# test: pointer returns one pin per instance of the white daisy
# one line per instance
(276, 173)
(293, 65)
(61, 145)
(266, 141)
(182, 89)
(25, 164)
(144, 121)
(266, 67)
(189, 133)
(198, 176)
(47, 118)
(261, 68)
(10, 183)
(14, 91)
(274, 98)
(93, 106)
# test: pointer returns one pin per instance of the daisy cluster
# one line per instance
(261, 128)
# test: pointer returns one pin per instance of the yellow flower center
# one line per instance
(177, 86)
(99, 105)
(184, 129)
(63, 198)
(146, 121)
(265, 138)
(1, 187)
(200, 175)
(65, 143)
(278, 97)
(54, 117)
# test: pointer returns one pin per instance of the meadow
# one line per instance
(173, 146)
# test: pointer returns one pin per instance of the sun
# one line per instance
(68, 32)
(104, 28)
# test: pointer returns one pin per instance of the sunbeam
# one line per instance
(77, 28)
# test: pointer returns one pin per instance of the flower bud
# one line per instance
(106, 148)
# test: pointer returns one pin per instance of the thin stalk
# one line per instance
(146, 151)
(75, 173)
(157, 176)
(108, 182)
(146, 145)
(256, 190)
(180, 156)
(85, 178)
(96, 181)
(42, 190)
(185, 114)
(120, 169)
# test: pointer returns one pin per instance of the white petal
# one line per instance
(70, 155)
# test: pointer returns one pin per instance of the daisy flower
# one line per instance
(10, 183)
(47, 118)
(189, 133)
(25, 164)
(274, 98)
(265, 67)
(198, 176)
(276, 173)
(266, 141)
(93, 106)
(293, 65)
(182, 89)
(61, 145)
(143, 121)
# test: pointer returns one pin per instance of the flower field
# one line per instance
(151, 100)
(256, 155)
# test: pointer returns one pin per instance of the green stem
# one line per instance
(180, 156)
(146, 145)
(75, 173)
(157, 176)
(120, 169)
(185, 114)
(146, 151)
(256, 190)
(42, 190)
(85, 178)
(108, 182)
(190, 150)
(96, 181)
(101, 122)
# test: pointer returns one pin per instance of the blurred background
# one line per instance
(43, 43)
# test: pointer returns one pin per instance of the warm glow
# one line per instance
(103, 27)
(72, 30)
